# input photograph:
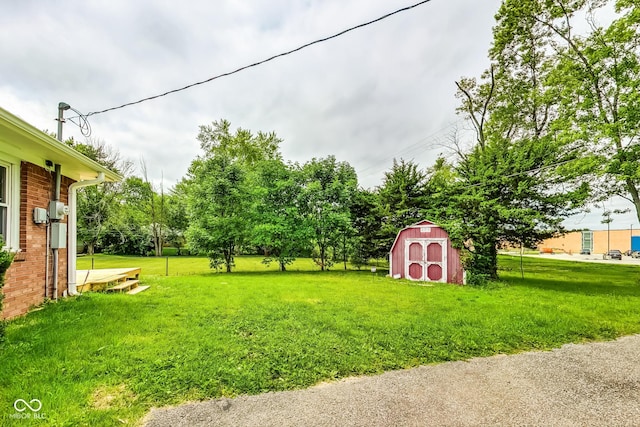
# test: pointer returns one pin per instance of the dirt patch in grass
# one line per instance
(112, 396)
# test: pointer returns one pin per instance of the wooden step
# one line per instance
(114, 278)
(105, 278)
(138, 289)
(127, 285)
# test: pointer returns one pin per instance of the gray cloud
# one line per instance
(377, 93)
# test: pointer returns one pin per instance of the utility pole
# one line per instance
(62, 107)
(54, 221)
(606, 219)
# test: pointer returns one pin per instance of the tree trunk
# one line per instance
(635, 197)
(344, 250)
(157, 246)
(228, 254)
(483, 264)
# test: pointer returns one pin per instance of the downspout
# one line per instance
(46, 259)
(56, 198)
(72, 246)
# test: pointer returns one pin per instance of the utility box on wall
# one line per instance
(57, 210)
(40, 215)
(58, 235)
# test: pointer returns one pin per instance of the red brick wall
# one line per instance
(25, 281)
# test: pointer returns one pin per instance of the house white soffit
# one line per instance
(23, 141)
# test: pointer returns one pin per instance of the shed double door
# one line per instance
(426, 260)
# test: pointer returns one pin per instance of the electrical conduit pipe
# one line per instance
(54, 251)
(72, 247)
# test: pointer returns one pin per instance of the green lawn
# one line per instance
(106, 359)
(186, 265)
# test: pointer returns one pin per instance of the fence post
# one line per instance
(167, 267)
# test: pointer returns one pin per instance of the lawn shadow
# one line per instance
(570, 285)
(571, 276)
(380, 273)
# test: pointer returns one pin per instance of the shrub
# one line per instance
(6, 258)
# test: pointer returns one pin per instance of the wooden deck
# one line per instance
(110, 280)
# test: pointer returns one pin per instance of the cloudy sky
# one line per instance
(381, 92)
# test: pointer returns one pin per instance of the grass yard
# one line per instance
(106, 359)
(188, 265)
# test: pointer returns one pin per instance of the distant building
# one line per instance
(595, 241)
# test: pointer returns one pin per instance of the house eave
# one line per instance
(22, 140)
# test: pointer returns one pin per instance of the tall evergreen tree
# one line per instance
(402, 198)
(366, 221)
(513, 186)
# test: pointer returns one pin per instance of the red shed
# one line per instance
(423, 252)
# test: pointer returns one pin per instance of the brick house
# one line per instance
(36, 170)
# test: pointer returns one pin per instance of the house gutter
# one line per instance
(73, 227)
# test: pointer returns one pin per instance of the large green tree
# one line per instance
(220, 208)
(280, 229)
(156, 209)
(98, 205)
(513, 186)
(177, 216)
(224, 185)
(129, 231)
(241, 145)
(597, 74)
(328, 186)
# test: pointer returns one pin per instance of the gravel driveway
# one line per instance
(595, 384)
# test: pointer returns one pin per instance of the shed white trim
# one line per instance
(424, 261)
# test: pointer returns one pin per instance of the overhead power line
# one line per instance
(427, 143)
(255, 64)
(528, 171)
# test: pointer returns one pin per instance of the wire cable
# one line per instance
(82, 123)
(255, 64)
(429, 142)
(528, 171)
